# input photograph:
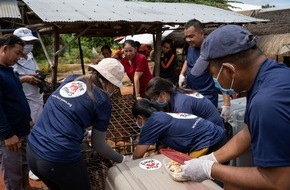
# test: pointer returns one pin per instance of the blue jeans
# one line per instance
(14, 166)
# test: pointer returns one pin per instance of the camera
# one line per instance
(43, 87)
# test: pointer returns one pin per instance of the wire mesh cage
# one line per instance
(123, 133)
(97, 168)
(122, 136)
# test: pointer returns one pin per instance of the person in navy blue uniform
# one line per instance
(180, 100)
(54, 151)
(204, 84)
(14, 116)
(237, 64)
(183, 132)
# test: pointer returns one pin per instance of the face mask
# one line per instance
(104, 87)
(140, 126)
(229, 91)
(114, 92)
(162, 104)
(27, 48)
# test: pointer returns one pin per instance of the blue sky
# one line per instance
(277, 3)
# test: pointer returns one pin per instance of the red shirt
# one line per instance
(139, 64)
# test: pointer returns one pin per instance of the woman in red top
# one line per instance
(137, 68)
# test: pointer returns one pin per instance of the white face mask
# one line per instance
(27, 48)
(113, 92)
(140, 126)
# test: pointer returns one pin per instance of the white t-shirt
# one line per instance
(34, 98)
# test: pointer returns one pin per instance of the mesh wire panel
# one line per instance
(122, 136)
(122, 133)
(97, 168)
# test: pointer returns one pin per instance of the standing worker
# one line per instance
(204, 84)
(14, 116)
(28, 71)
(54, 151)
(136, 67)
(231, 55)
(168, 61)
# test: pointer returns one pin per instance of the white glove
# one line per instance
(127, 158)
(181, 80)
(210, 157)
(197, 169)
(226, 113)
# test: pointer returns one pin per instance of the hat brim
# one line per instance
(28, 38)
(199, 67)
(111, 78)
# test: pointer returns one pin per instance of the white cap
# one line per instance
(111, 69)
(25, 34)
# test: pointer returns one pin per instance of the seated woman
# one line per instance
(183, 132)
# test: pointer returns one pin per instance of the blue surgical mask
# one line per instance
(229, 91)
(162, 104)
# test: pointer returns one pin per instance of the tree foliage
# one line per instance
(267, 6)
(71, 53)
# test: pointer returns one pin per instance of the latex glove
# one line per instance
(127, 158)
(226, 113)
(210, 157)
(181, 80)
(197, 170)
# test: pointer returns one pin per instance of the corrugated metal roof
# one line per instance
(117, 10)
(9, 9)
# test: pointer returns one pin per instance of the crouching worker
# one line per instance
(54, 153)
(183, 132)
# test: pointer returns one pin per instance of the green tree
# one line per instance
(71, 53)
(267, 6)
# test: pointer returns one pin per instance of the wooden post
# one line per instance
(81, 55)
(157, 52)
(55, 42)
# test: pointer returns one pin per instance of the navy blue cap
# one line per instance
(225, 40)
